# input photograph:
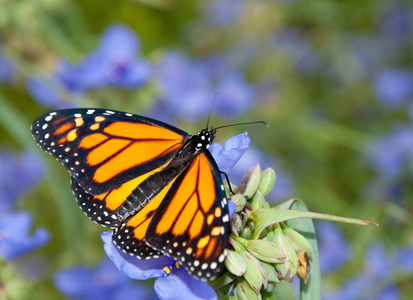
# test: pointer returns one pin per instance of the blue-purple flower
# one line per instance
(394, 87)
(333, 248)
(7, 71)
(231, 151)
(188, 86)
(396, 23)
(223, 12)
(19, 174)
(404, 259)
(49, 92)
(113, 63)
(15, 237)
(373, 281)
(103, 282)
(391, 161)
(172, 279)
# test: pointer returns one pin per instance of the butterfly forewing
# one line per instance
(103, 149)
(130, 237)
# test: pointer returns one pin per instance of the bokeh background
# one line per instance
(334, 79)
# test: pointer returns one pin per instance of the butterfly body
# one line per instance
(158, 187)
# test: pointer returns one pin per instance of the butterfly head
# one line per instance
(206, 137)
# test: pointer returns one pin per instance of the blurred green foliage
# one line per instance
(322, 106)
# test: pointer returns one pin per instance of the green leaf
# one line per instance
(266, 217)
(311, 289)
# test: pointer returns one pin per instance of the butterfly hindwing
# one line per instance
(191, 223)
(103, 149)
(131, 236)
(113, 208)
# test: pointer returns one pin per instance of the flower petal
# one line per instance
(15, 238)
(133, 267)
(181, 285)
(231, 152)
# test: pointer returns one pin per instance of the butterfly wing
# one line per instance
(104, 149)
(131, 236)
(187, 221)
(191, 223)
(109, 154)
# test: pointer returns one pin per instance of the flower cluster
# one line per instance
(18, 175)
(113, 63)
(260, 256)
(186, 86)
(23, 172)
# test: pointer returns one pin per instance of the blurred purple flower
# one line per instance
(394, 87)
(55, 91)
(297, 48)
(174, 284)
(188, 88)
(7, 71)
(185, 86)
(396, 26)
(115, 62)
(19, 174)
(404, 259)
(374, 281)
(222, 12)
(333, 248)
(235, 95)
(15, 238)
(391, 161)
(104, 282)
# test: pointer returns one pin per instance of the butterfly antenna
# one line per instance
(210, 111)
(246, 123)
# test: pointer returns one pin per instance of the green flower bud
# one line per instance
(289, 268)
(261, 249)
(250, 181)
(251, 225)
(272, 276)
(266, 251)
(258, 201)
(254, 273)
(239, 200)
(267, 181)
(237, 224)
(297, 240)
(222, 282)
(243, 291)
(235, 263)
(246, 233)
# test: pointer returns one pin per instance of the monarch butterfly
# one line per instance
(156, 185)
